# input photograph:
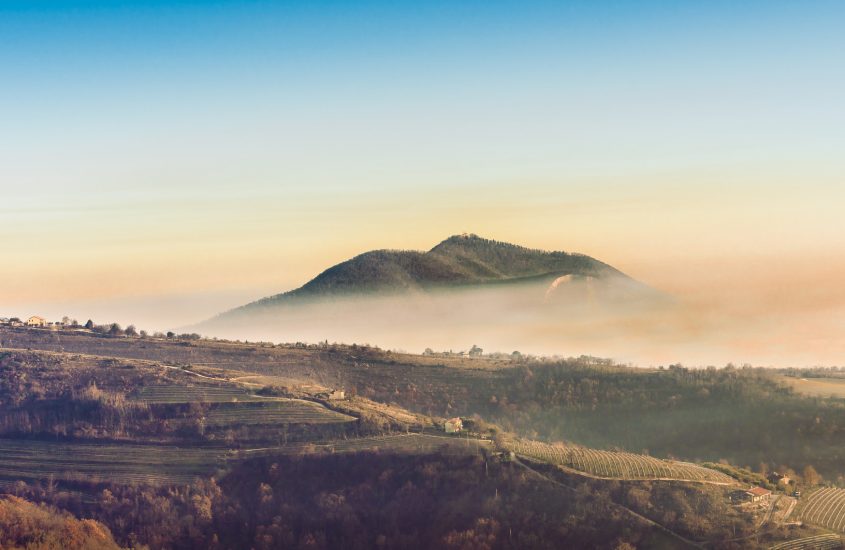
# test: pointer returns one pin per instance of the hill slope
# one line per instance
(466, 290)
(459, 261)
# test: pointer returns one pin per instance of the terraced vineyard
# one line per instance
(615, 465)
(288, 411)
(143, 464)
(174, 394)
(824, 507)
(155, 465)
(401, 443)
(826, 541)
(233, 406)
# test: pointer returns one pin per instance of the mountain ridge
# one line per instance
(458, 261)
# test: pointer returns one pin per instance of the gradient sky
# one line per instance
(160, 161)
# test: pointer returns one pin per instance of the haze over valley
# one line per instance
(468, 290)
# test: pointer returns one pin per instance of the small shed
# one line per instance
(758, 494)
(337, 395)
(453, 425)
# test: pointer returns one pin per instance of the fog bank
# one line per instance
(619, 320)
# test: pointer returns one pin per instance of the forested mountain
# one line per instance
(460, 260)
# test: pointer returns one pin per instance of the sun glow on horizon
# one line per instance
(160, 162)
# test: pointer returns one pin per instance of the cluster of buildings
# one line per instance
(34, 321)
(37, 321)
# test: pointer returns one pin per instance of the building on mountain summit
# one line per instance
(36, 321)
(453, 425)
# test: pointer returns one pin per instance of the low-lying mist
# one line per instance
(615, 318)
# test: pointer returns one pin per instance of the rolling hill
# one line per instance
(461, 263)
(460, 260)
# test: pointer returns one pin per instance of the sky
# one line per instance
(163, 161)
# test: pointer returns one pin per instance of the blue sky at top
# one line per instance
(581, 80)
(193, 137)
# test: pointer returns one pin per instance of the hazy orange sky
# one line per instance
(160, 163)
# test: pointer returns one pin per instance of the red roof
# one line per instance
(758, 492)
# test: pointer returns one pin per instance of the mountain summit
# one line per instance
(466, 287)
(460, 260)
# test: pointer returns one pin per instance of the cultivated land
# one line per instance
(32, 460)
(86, 412)
(824, 507)
(94, 463)
(616, 465)
(275, 413)
(821, 387)
(827, 541)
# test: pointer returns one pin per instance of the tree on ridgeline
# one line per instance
(89, 325)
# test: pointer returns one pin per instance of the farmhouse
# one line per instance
(758, 494)
(779, 479)
(453, 425)
(36, 321)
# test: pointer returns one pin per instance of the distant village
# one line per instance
(36, 321)
(109, 329)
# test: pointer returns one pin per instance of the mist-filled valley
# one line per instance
(616, 318)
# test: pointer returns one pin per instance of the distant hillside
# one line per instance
(460, 260)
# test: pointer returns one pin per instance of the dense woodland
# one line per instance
(26, 526)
